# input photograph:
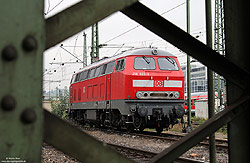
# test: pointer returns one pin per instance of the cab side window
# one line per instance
(110, 67)
(77, 78)
(120, 65)
(84, 75)
(98, 71)
(91, 73)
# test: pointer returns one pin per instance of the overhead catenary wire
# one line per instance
(60, 64)
(48, 11)
(141, 25)
(113, 45)
(48, 7)
(119, 49)
(122, 34)
(71, 53)
(51, 69)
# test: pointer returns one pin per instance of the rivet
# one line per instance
(8, 103)
(29, 43)
(28, 116)
(9, 53)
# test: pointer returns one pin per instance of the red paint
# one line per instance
(119, 85)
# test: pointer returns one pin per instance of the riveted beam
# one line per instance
(76, 143)
(210, 126)
(80, 16)
(21, 46)
(176, 36)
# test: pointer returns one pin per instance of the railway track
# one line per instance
(220, 143)
(145, 156)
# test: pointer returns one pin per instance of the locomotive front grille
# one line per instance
(158, 95)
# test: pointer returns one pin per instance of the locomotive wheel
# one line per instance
(82, 123)
(141, 128)
(159, 130)
(130, 128)
(137, 122)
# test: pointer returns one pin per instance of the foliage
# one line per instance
(60, 105)
(223, 130)
(198, 120)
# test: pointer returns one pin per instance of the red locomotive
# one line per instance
(136, 89)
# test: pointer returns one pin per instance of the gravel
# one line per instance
(49, 154)
(52, 155)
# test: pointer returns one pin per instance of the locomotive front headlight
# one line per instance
(139, 94)
(176, 94)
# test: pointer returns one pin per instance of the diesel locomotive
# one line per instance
(136, 89)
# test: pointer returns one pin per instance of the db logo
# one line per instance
(159, 83)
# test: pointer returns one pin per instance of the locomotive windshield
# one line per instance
(167, 64)
(144, 63)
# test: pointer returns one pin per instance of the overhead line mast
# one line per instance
(189, 128)
(94, 54)
(84, 56)
(219, 39)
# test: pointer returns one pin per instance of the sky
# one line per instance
(111, 32)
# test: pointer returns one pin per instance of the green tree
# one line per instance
(60, 106)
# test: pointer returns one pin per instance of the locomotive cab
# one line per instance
(156, 90)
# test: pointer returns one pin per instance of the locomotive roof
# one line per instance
(141, 51)
(146, 51)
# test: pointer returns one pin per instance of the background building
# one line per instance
(198, 78)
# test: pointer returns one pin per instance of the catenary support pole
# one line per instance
(219, 44)
(188, 71)
(84, 55)
(210, 75)
(92, 53)
(97, 41)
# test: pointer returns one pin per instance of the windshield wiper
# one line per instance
(146, 59)
(170, 60)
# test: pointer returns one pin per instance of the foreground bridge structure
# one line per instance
(25, 34)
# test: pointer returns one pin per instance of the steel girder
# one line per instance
(21, 46)
(237, 32)
(80, 16)
(77, 143)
